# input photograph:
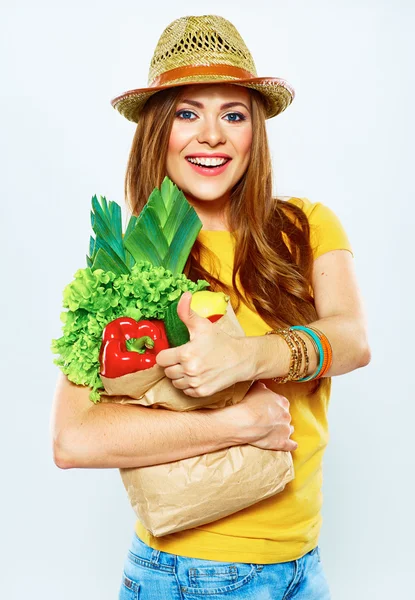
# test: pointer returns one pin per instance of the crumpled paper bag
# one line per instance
(194, 491)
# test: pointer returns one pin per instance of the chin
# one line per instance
(205, 190)
(201, 196)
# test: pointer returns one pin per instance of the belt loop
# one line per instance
(155, 555)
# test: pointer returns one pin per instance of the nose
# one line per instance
(211, 132)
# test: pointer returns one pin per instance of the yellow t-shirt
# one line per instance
(286, 526)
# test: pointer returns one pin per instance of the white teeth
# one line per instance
(207, 162)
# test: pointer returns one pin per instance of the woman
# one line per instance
(288, 268)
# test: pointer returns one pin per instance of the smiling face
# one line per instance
(210, 143)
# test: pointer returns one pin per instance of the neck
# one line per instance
(212, 213)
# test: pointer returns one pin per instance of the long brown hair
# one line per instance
(273, 257)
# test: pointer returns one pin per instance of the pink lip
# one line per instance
(209, 171)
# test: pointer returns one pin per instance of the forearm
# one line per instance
(117, 436)
(347, 336)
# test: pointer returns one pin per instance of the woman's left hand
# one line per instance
(211, 361)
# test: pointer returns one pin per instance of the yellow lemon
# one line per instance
(206, 303)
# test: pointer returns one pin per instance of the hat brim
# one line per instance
(277, 93)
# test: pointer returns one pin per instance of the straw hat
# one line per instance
(203, 49)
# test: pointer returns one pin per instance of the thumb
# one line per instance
(188, 316)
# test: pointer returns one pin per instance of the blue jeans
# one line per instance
(154, 575)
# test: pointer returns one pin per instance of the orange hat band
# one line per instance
(224, 70)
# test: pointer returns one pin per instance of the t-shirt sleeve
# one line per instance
(326, 231)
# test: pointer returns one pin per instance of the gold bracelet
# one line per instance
(296, 354)
(305, 353)
(296, 339)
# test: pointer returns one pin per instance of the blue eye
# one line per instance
(240, 117)
(185, 114)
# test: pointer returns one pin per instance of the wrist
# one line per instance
(270, 357)
(246, 358)
(231, 422)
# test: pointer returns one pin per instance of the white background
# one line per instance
(346, 141)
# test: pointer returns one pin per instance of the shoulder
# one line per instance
(326, 231)
(314, 211)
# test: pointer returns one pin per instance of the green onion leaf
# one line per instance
(109, 261)
(165, 230)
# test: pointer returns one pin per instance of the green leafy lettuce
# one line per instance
(95, 298)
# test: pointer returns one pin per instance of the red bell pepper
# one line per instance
(129, 346)
(214, 318)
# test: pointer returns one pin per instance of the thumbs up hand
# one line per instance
(194, 322)
(211, 361)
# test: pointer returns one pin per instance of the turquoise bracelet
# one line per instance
(315, 338)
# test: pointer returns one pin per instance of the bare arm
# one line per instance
(108, 435)
(113, 435)
(340, 317)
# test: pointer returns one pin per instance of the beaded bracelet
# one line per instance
(305, 353)
(298, 349)
(296, 357)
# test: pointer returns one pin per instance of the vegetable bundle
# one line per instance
(121, 311)
(138, 275)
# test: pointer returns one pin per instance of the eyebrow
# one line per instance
(224, 106)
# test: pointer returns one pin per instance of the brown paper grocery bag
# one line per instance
(194, 491)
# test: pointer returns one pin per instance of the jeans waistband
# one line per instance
(158, 559)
